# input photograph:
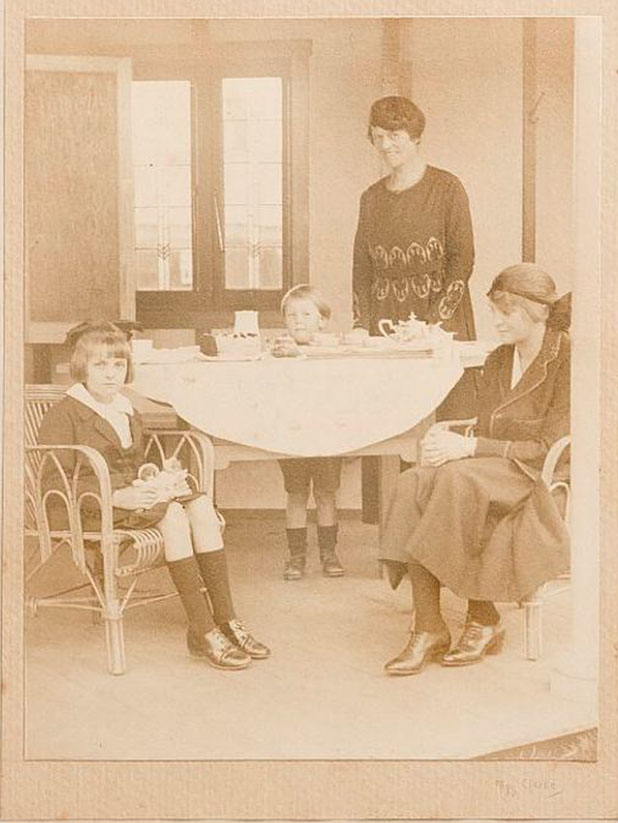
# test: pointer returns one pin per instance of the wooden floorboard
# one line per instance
(322, 695)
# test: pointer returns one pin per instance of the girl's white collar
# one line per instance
(120, 403)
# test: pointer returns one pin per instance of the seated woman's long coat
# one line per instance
(487, 526)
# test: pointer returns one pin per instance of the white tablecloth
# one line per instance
(302, 407)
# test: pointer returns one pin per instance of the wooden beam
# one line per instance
(529, 115)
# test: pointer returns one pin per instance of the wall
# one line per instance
(466, 75)
(555, 235)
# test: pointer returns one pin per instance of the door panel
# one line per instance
(79, 193)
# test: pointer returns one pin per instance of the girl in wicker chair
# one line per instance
(94, 413)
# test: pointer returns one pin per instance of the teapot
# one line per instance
(403, 330)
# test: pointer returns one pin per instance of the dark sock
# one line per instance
(327, 539)
(213, 568)
(426, 593)
(297, 541)
(483, 612)
(186, 577)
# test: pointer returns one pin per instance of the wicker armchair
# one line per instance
(110, 560)
(560, 490)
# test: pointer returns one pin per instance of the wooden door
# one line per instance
(78, 193)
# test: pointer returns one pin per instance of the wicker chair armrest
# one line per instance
(66, 487)
(167, 443)
(552, 457)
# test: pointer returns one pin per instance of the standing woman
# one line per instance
(414, 246)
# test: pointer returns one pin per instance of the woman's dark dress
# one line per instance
(487, 526)
(414, 252)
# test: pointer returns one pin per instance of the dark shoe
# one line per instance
(294, 568)
(217, 649)
(475, 642)
(238, 634)
(422, 647)
(331, 567)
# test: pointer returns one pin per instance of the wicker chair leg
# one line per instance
(114, 640)
(113, 612)
(533, 629)
(97, 573)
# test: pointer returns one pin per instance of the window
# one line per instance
(220, 172)
(161, 138)
(252, 224)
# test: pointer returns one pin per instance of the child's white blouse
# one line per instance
(116, 413)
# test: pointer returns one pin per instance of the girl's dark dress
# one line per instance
(487, 526)
(72, 422)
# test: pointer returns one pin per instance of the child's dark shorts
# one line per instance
(299, 472)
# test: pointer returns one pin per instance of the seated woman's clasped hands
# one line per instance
(441, 445)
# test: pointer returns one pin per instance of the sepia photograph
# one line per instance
(305, 316)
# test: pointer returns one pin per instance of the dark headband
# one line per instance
(546, 301)
(559, 308)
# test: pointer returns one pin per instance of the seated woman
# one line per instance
(94, 413)
(476, 517)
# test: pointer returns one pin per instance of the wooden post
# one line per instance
(575, 672)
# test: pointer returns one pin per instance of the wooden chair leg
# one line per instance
(97, 573)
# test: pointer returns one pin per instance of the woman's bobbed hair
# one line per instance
(94, 335)
(395, 113)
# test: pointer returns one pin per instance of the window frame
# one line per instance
(209, 304)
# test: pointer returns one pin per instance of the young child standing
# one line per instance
(95, 413)
(305, 312)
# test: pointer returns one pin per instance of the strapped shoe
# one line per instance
(331, 567)
(421, 648)
(295, 567)
(217, 649)
(238, 634)
(475, 642)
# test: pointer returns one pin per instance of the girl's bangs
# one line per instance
(107, 346)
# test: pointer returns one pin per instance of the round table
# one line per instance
(303, 407)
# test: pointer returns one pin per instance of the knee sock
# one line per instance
(483, 612)
(327, 539)
(297, 541)
(186, 577)
(426, 593)
(213, 568)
